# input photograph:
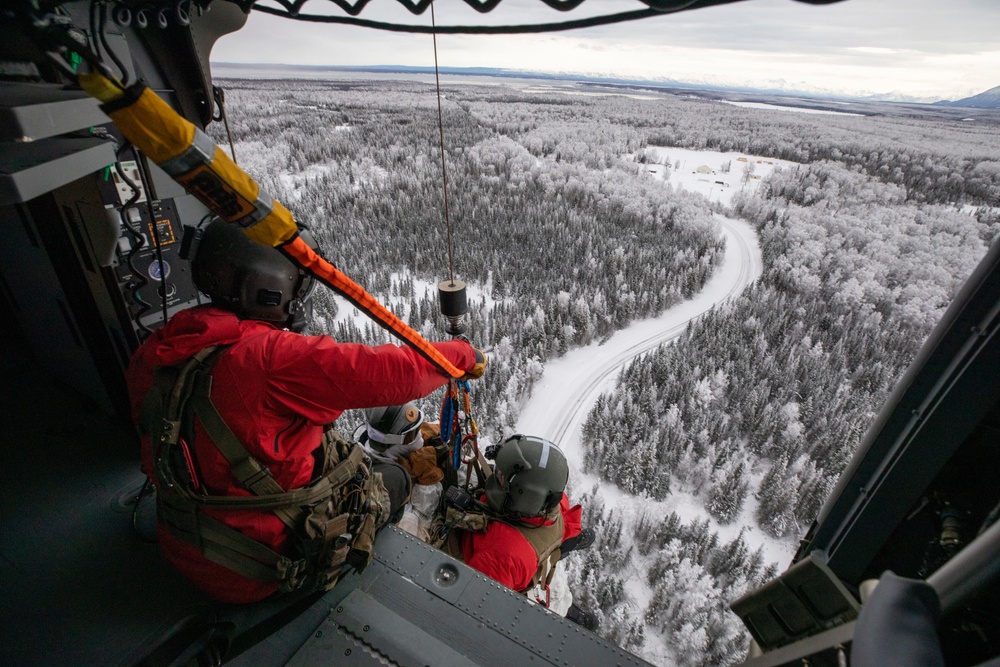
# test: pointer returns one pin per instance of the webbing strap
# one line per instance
(247, 470)
(308, 495)
(346, 469)
(545, 541)
(234, 550)
(177, 396)
(546, 566)
(218, 542)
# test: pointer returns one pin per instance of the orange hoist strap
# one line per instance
(193, 159)
(300, 253)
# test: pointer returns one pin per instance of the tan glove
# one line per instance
(476, 371)
(422, 466)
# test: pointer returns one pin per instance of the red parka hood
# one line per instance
(192, 330)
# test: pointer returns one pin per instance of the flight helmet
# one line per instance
(529, 477)
(254, 281)
(392, 430)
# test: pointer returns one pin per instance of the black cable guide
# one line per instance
(292, 9)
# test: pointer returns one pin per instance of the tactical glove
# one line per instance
(476, 371)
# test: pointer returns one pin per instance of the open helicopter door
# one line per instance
(82, 582)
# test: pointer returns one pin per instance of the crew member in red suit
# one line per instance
(277, 391)
(529, 518)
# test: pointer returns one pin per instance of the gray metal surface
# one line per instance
(822, 650)
(382, 630)
(28, 170)
(33, 111)
(416, 606)
(332, 645)
(804, 601)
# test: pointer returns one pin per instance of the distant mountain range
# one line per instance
(986, 100)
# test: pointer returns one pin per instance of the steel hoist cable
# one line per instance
(444, 169)
(458, 428)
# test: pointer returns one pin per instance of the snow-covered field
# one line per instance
(718, 176)
(778, 107)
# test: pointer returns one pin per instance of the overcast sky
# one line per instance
(929, 49)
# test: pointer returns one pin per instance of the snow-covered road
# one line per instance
(570, 385)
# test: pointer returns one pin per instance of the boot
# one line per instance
(582, 541)
(581, 617)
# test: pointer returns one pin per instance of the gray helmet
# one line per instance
(529, 477)
(253, 281)
(390, 425)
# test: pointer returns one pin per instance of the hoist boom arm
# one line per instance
(193, 159)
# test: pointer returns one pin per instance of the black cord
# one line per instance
(220, 101)
(607, 19)
(102, 23)
(147, 488)
(157, 245)
(444, 170)
(138, 240)
(94, 46)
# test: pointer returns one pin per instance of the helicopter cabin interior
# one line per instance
(85, 584)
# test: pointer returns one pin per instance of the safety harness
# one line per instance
(332, 520)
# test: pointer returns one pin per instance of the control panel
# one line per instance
(150, 271)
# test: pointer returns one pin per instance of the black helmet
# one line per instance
(390, 426)
(254, 281)
(529, 477)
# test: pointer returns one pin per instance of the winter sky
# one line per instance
(921, 49)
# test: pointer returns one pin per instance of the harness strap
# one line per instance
(306, 495)
(218, 542)
(546, 542)
(332, 520)
(176, 398)
(547, 564)
(231, 549)
(247, 470)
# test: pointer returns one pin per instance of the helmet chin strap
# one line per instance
(396, 452)
(399, 451)
(299, 314)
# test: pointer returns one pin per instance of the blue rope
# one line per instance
(451, 429)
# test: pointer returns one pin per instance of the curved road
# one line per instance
(570, 385)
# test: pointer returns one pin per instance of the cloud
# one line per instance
(919, 47)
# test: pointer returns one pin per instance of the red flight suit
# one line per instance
(504, 554)
(277, 390)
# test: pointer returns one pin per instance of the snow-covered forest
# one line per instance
(566, 236)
